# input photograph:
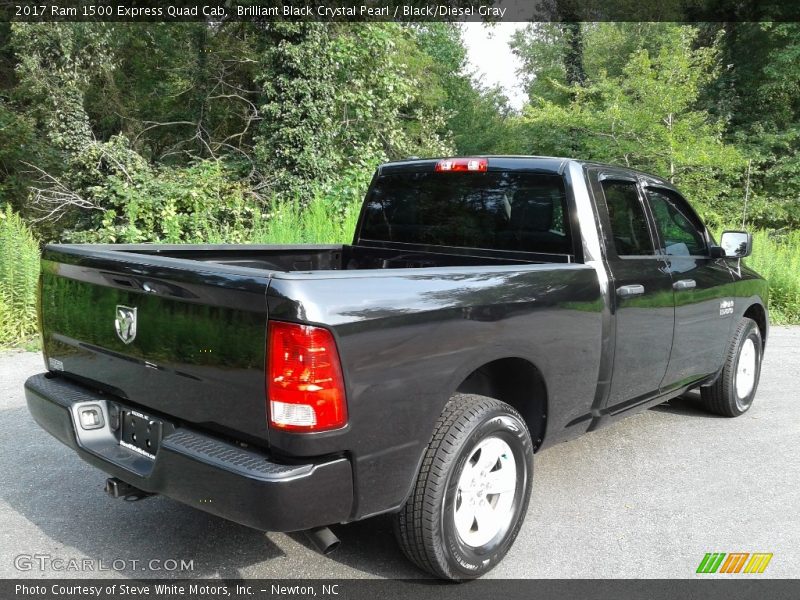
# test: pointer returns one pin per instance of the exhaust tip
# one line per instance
(323, 539)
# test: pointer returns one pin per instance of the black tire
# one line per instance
(723, 397)
(425, 528)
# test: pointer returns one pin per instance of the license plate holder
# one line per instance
(142, 433)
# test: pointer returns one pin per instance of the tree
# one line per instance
(180, 91)
(477, 118)
(648, 118)
(760, 91)
(542, 49)
(295, 143)
(57, 63)
(340, 97)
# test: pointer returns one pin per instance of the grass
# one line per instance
(318, 223)
(19, 275)
(776, 256)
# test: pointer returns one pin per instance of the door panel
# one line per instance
(644, 328)
(703, 289)
(703, 319)
(644, 311)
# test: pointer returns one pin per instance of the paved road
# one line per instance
(645, 498)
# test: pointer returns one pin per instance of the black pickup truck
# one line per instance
(487, 308)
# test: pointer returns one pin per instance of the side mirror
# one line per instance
(737, 244)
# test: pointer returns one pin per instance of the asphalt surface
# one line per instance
(646, 498)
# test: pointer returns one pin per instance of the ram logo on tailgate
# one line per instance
(125, 323)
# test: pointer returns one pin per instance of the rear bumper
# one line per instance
(216, 476)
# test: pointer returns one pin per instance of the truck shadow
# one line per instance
(689, 405)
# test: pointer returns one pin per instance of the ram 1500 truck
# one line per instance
(487, 308)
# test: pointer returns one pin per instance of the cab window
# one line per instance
(680, 231)
(628, 221)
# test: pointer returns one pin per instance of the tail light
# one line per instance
(477, 165)
(305, 388)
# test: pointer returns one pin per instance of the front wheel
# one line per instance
(732, 393)
(472, 491)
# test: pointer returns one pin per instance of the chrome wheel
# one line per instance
(485, 494)
(746, 369)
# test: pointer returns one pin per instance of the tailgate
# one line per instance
(181, 338)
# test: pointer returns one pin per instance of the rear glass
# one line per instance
(524, 212)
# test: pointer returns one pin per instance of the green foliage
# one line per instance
(318, 223)
(286, 107)
(254, 132)
(761, 92)
(475, 118)
(776, 256)
(296, 138)
(542, 48)
(18, 144)
(610, 46)
(179, 91)
(57, 62)
(647, 117)
(19, 274)
(136, 203)
(340, 97)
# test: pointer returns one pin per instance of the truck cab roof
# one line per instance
(540, 164)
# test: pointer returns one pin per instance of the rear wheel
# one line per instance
(732, 393)
(472, 490)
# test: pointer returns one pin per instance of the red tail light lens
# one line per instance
(305, 388)
(448, 165)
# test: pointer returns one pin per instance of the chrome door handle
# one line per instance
(626, 291)
(684, 284)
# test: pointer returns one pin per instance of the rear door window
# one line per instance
(628, 221)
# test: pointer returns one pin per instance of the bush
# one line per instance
(111, 194)
(19, 275)
(776, 256)
(190, 205)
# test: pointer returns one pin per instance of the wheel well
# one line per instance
(759, 315)
(518, 383)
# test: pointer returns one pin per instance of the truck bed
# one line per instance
(199, 352)
(332, 257)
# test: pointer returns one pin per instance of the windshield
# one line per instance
(524, 212)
